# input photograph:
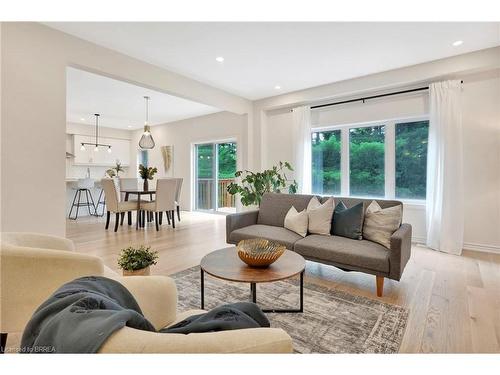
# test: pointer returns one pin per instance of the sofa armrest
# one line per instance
(240, 220)
(28, 276)
(37, 240)
(400, 251)
(156, 296)
(252, 340)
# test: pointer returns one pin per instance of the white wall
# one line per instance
(183, 135)
(34, 60)
(481, 121)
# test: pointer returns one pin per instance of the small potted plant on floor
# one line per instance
(135, 261)
(147, 174)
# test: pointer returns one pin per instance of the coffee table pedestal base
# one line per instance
(253, 295)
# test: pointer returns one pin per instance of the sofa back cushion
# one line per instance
(351, 202)
(274, 207)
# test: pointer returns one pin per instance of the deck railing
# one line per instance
(206, 188)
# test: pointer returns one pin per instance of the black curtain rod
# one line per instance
(372, 97)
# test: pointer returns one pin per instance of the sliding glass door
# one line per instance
(215, 165)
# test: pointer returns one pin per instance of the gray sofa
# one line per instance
(344, 253)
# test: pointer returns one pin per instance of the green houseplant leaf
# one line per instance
(253, 185)
(133, 259)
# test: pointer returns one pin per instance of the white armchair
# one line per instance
(33, 266)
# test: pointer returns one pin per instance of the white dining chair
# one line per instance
(114, 202)
(166, 190)
(178, 197)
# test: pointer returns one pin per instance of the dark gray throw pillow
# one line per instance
(348, 222)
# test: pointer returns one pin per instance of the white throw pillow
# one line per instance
(380, 223)
(320, 216)
(297, 221)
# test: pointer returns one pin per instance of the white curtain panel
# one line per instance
(302, 148)
(445, 217)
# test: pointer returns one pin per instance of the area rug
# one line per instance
(332, 322)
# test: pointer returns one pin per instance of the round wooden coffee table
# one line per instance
(226, 265)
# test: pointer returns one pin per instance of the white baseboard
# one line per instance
(482, 247)
(419, 240)
(467, 245)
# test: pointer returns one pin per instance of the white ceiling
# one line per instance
(259, 56)
(122, 105)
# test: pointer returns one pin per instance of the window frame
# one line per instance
(389, 155)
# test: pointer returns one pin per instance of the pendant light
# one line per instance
(96, 144)
(147, 142)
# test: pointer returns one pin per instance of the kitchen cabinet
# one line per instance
(120, 150)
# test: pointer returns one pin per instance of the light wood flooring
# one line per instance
(454, 301)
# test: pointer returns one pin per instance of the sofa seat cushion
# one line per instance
(278, 234)
(336, 249)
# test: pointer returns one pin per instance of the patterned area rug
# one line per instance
(332, 321)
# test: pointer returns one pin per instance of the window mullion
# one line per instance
(344, 162)
(390, 160)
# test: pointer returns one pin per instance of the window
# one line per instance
(411, 159)
(143, 157)
(386, 159)
(366, 161)
(326, 162)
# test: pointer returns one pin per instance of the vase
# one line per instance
(146, 185)
(141, 272)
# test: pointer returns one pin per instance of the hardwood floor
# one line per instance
(454, 301)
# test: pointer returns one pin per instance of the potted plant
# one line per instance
(136, 261)
(118, 168)
(147, 174)
(253, 185)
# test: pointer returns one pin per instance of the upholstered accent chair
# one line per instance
(33, 266)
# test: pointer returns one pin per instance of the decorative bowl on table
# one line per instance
(258, 252)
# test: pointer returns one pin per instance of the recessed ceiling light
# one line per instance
(277, 87)
(82, 119)
(219, 59)
(458, 43)
(129, 126)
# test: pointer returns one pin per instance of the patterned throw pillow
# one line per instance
(320, 216)
(380, 223)
(297, 221)
(348, 222)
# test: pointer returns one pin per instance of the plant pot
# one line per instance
(141, 272)
(146, 185)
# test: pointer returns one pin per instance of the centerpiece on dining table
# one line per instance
(147, 173)
(259, 252)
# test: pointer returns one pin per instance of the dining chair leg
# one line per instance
(143, 219)
(173, 219)
(137, 217)
(122, 217)
(117, 220)
(161, 217)
(3, 342)
(108, 214)
(179, 213)
(129, 217)
(168, 217)
(157, 221)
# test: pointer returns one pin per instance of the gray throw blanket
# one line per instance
(82, 314)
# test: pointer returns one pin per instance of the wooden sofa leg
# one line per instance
(380, 286)
(3, 342)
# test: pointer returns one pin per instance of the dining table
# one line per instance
(139, 192)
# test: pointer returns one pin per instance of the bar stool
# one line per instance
(100, 200)
(84, 186)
